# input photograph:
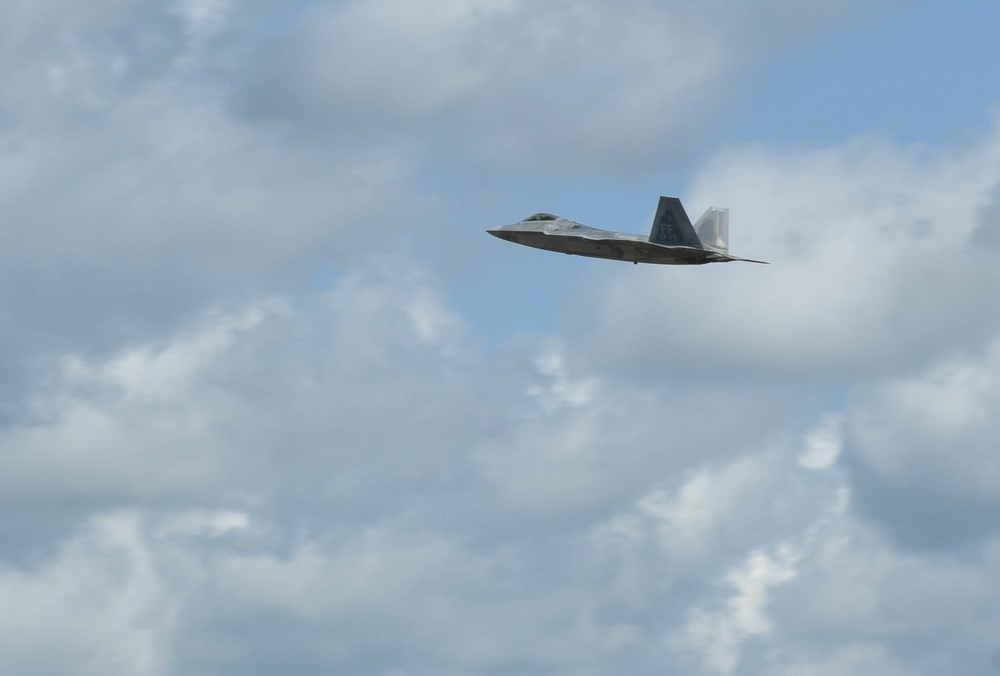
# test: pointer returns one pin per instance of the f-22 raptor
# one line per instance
(672, 241)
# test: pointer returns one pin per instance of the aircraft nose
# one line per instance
(502, 233)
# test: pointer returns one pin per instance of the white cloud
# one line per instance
(239, 480)
(856, 599)
(320, 466)
(355, 518)
(564, 86)
(718, 634)
(561, 389)
(923, 448)
(936, 429)
(202, 18)
(144, 423)
(859, 658)
(100, 606)
(873, 270)
(133, 197)
(823, 443)
(197, 523)
(706, 512)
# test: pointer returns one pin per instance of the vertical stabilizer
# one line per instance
(671, 225)
(713, 229)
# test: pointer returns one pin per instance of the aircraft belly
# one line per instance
(599, 249)
(636, 252)
(616, 249)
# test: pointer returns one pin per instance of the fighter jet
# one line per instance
(672, 241)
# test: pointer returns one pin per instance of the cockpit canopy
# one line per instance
(540, 217)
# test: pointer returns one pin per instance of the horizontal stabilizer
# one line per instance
(727, 258)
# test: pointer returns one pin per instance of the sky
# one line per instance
(273, 402)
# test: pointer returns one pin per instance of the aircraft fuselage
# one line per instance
(566, 236)
(672, 239)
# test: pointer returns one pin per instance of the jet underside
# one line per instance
(617, 247)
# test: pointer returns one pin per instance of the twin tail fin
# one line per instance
(672, 227)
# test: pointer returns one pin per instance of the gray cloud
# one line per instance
(382, 387)
(216, 463)
(923, 449)
(348, 484)
(874, 270)
(566, 87)
(132, 199)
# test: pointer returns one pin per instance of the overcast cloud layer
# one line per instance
(246, 429)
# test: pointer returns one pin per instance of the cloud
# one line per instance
(245, 426)
(849, 659)
(105, 571)
(296, 468)
(923, 448)
(874, 267)
(855, 599)
(380, 384)
(352, 481)
(717, 634)
(134, 200)
(568, 87)
(207, 411)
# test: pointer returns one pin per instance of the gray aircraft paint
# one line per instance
(672, 239)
